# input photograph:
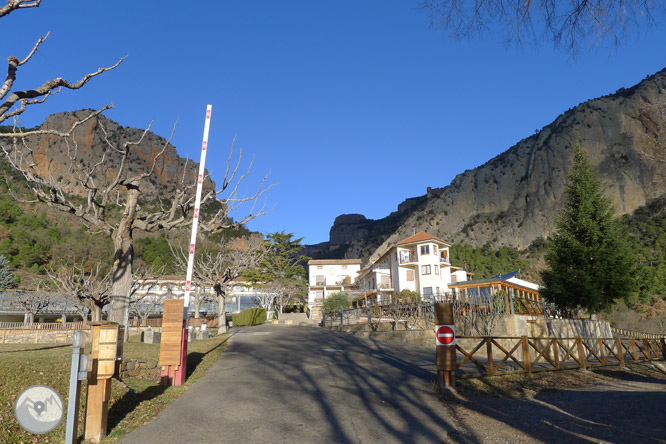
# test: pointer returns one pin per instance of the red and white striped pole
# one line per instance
(180, 373)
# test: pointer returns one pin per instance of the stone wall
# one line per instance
(513, 326)
(35, 336)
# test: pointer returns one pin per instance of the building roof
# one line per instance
(335, 262)
(421, 237)
(496, 280)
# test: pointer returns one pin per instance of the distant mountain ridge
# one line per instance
(515, 197)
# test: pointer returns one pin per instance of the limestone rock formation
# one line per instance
(52, 154)
(515, 197)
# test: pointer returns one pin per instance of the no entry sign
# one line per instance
(445, 335)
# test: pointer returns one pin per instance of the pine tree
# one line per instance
(589, 262)
(7, 278)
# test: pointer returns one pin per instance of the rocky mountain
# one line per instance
(89, 146)
(515, 197)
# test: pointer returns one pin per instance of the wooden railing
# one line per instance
(635, 334)
(500, 355)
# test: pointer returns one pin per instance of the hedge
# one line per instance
(250, 316)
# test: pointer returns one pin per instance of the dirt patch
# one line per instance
(608, 405)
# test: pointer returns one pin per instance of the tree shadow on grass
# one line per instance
(35, 349)
(195, 358)
(130, 401)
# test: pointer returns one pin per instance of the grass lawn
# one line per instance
(134, 401)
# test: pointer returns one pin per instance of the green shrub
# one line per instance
(406, 297)
(250, 316)
(335, 300)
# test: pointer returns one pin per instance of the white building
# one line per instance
(326, 276)
(420, 263)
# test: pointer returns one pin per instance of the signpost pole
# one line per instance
(180, 373)
(445, 339)
(74, 400)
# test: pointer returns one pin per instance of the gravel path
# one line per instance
(618, 406)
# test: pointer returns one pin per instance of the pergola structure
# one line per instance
(520, 297)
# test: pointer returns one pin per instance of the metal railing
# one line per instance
(81, 325)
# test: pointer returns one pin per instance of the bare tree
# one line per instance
(143, 301)
(84, 284)
(481, 315)
(31, 302)
(109, 191)
(285, 291)
(219, 265)
(14, 103)
(568, 24)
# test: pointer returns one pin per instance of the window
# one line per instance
(320, 267)
(425, 269)
(344, 267)
(425, 249)
(434, 249)
(410, 275)
(320, 280)
(437, 270)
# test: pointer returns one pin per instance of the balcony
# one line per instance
(385, 286)
(407, 257)
(444, 259)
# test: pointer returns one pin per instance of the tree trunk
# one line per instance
(96, 313)
(197, 303)
(221, 313)
(123, 257)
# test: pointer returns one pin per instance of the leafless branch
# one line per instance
(23, 98)
(568, 24)
(13, 5)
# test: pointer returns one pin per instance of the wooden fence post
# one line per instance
(527, 362)
(620, 351)
(445, 342)
(489, 350)
(581, 353)
(646, 346)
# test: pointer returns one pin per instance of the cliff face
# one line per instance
(515, 197)
(88, 146)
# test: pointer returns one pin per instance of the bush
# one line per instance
(250, 316)
(406, 297)
(335, 300)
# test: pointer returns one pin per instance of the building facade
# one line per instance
(420, 263)
(327, 276)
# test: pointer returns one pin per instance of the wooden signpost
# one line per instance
(445, 339)
(173, 343)
(104, 363)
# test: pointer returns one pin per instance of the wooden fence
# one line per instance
(501, 355)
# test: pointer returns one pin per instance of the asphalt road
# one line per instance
(289, 384)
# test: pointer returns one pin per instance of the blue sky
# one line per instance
(353, 106)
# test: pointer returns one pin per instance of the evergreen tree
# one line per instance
(282, 270)
(7, 278)
(589, 262)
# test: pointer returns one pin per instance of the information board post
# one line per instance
(104, 363)
(445, 340)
